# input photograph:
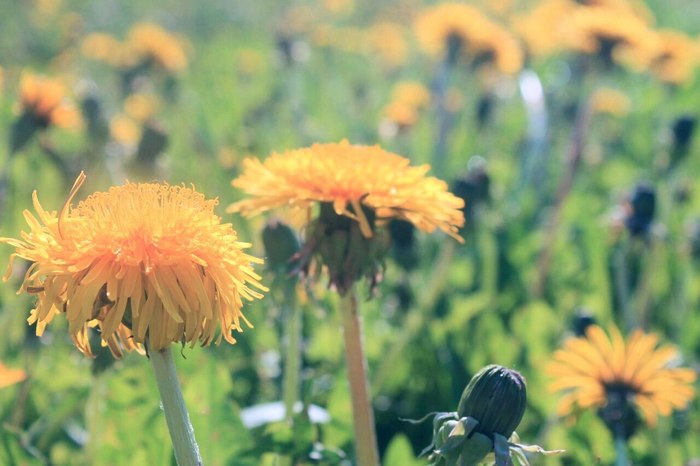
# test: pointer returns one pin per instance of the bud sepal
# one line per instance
(496, 395)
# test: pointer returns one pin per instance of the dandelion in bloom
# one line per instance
(152, 44)
(622, 377)
(388, 42)
(358, 190)
(589, 30)
(45, 101)
(42, 104)
(675, 58)
(144, 263)
(540, 28)
(352, 180)
(456, 29)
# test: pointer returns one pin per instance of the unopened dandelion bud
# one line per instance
(642, 206)
(281, 244)
(496, 396)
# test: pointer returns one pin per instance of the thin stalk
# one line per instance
(179, 425)
(621, 283)
(620, 451)
(574, 155)
(291, 392)
(363, 417)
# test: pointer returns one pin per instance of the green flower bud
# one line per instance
(496, 397)
(281, 244)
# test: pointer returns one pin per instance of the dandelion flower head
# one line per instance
(151, 42)
(45, 100)
(594, 368)
(348, 177)
(145, 263)
(467, 30)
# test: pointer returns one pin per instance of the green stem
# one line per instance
(622, 290)
(620, 451)
(179, 425)
(291, 389)
(363, 418)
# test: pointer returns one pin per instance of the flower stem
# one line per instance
(179, 425)
(363, 417)
(292, 366)
(620, 451)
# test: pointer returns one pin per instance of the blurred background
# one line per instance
(567, 126)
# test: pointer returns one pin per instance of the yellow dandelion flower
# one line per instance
(10, 376)
(124, 130)
(145, 263)
(141, 107)
(610, 101)
(347, 175)
(411, 93)
(388, 42)
(594, 368)
(45, 100)
(675, 57)
(401, 113)
(358, 189)
(153, 43)
(103, 47)
(540, 28)
(611, 32)
(465, 29)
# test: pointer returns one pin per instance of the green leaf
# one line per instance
(399, 452)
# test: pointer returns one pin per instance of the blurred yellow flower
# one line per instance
(613, 33)
(610, 101)
(10, 376)
(591, 369)
(411, 93)
(388, 42)
(103, 47)
(466, 29)
(348, 177)
(140, 106)
(125, 130)
(146, 263)
(401, 113)
(152, 43)
(675, 57)
(540, 28)
(45, 100)
(407, 99)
